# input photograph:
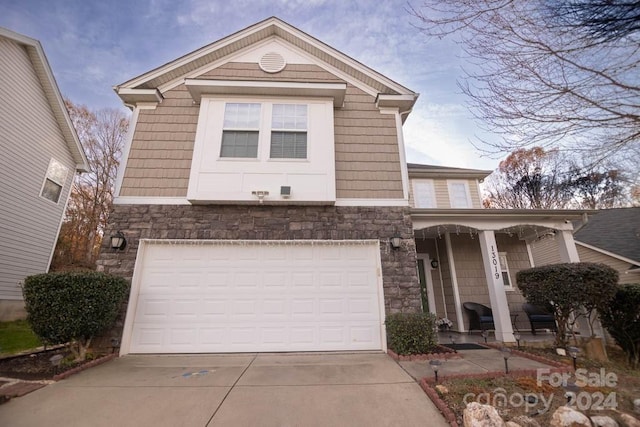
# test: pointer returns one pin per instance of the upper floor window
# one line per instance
(286, 125)
(241, 129)
(459, 195)
(54, 181)
(423, 193)
(289, 131)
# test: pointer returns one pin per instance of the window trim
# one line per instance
(504, 270)
(47, 177)
(450, 184)
(432, 197)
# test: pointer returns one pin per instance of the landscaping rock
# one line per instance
(636, 406)
(511, 424)
(442, 389)
(524, 421)
(569, 417)
(604, 421)
(478, 415)
(629, 421)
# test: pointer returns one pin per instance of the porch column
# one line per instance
(567, 246)
(454, 283)
(497, 294)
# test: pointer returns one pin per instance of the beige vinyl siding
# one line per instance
(545, 251)
(30, 137)
(589, 255)
(367, 157)
(441, 190)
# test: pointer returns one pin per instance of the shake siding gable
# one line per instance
(589, 255)
(30, 137)
(366, 142)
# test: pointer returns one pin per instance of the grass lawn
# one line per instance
(16, 336)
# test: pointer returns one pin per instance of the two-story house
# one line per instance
(265, 200)
(39, 155)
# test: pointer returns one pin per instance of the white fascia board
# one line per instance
(197, 88)
(372, 202)
(134, 200)
(134, 96)
(604, 252)
(404, 103)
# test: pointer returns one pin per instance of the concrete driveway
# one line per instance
(354, 389)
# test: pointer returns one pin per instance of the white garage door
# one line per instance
(245, 296)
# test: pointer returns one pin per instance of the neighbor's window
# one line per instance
(54, 181)
(289, 131)
(241, 130)
(504, 269)
(459, 195)
(424, 195)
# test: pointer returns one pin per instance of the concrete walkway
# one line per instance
(358, 389)
(472, 362)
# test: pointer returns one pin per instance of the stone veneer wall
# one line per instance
(230, 222)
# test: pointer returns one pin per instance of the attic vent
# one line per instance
(272, 62)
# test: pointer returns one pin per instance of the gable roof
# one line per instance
(52, 93)
(271, 27)
(616, 231)
(433, 171)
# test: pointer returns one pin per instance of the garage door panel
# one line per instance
(257, 297)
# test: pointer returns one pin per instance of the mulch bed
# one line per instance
(37, 366)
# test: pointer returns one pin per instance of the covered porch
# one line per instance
(473, 255)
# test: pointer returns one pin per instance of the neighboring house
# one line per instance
(265, 199)
(39, 155)
(611, 237)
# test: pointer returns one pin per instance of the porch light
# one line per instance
(396, 242)
(435, 365)
(434, 263)
(573, 352)
(506, 354)
(118, 242)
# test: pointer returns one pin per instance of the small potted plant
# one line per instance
(443, 324)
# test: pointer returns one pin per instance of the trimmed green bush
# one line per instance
(411, 333)
(572, 289)
(73, 307)
(622, 319)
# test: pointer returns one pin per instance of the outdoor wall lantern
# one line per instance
(396, 241)
(118, 241)
(434, 263)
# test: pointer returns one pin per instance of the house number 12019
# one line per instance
(494, 261)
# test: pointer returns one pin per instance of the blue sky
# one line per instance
(94, 45)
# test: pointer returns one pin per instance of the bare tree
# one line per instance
(547, 73)
(528, 179)
(539, 179)
(102, 135)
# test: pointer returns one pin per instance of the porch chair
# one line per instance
(539, 318)
(480, 316)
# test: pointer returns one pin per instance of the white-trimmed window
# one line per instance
(424, 195)
(241, 130)
(289, 131)
(504, 270)
(54, 181)
(244, 122)
(459, 195)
